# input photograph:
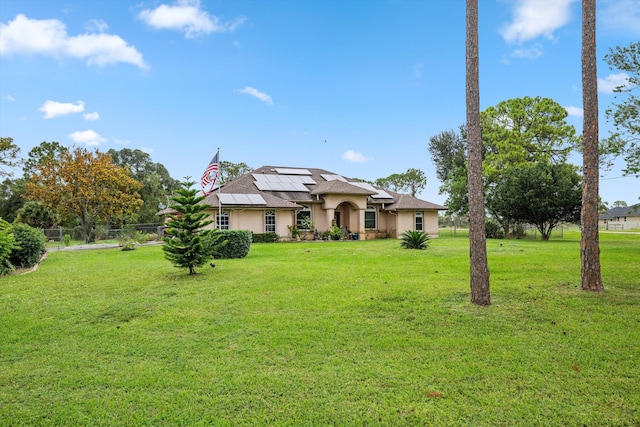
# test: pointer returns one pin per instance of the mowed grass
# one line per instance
(324, 333)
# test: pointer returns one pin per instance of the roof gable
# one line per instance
(288, 187)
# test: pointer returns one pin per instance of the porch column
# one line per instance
(361, 223)
(330, 212)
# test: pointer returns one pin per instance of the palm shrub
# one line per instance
(31, 242)
(415, 240)
(188, 244)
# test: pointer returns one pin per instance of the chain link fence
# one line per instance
(523, 231)
(104, 233)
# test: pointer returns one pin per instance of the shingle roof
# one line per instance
(407, 202)
(324, 182)
(339, 187)
(633, 210)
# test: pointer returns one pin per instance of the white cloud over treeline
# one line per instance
(48, 37)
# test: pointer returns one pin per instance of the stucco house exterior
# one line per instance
(620, 218)
(273, 199)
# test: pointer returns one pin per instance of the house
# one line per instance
(620, 218)
(275, 199)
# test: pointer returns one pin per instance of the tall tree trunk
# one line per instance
(480, 294)
(589, 245)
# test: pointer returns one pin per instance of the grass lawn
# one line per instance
(324, 333)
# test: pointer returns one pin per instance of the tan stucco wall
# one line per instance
(247, 220)
(406, 221)
(389, 224)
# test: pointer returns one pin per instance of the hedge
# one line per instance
(31, 244)
(237, 246)
(265, 238)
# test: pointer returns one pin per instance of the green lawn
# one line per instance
(324, 333)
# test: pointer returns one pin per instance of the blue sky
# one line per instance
(356, 87)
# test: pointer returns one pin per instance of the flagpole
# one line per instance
(219, 185)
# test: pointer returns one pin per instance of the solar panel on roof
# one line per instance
(292, 171)
(241, 199)
(280, 186)
(283, 178)
(380, 194)
(331, 177)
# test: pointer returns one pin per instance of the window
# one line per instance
(419, 221)
(270, 222)
(222, 220)
(303, 218)
(370, 218)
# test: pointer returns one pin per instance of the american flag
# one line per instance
(210, 175)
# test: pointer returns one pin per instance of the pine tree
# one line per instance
(589, 241)
(188, 244)
(480, 293)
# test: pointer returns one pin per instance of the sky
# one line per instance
(356, 87)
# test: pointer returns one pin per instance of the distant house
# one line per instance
(276, 199)
(620, 218)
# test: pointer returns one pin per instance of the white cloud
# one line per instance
(353, 156)
(622, 16)
(147, 150)
(49, 37)
(186, 16)
(530, 53)
(535, 18)
(575, 111)
(612, 81)
(119, 141)
(96, 26)
(257, 94)
(8, 98)
(88, 137)
(53, 109)
(91, 116)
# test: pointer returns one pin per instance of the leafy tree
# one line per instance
(542, 194)
(412, 182)
(188, 244)
(229, 171)
(479, 272)
(7, 245)
(86, 185)
(157, 184)
(514, 132)
(448, 152)
(589, 240)
(38, 215)
(8, 156)
(38, 155)
(619, 204)
(625, 114)
(11, 200)
(523, 130)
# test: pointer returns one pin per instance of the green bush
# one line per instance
(493, 229)
(7, 244)
(66, 240)
(265, 238)
(334, 233)
(415, 240)
(127, 244)
(238, 243)
(31, 244)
